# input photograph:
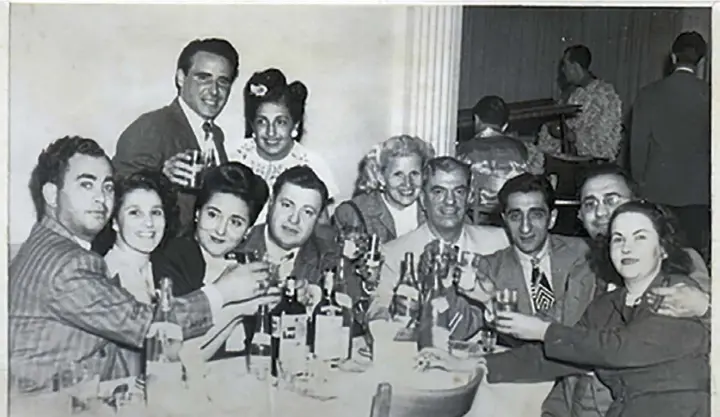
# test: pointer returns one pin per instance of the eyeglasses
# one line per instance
(608, 200)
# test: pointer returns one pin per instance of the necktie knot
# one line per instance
(207, 127)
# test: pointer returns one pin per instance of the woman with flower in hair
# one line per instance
(274, 119)
(386, 200)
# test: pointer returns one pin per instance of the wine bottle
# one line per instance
(261, 341)
(163, 368)
(289, 332)
(407, 278)
(328, 336)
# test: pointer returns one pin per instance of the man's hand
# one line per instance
(240, 282)
(521, 326)
(680, 300)
(483, 291)
(178, 169)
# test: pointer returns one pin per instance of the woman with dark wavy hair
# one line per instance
(654, 364)
(274, 121)
(145, 214)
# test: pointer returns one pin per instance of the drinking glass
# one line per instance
(197, 167)
(488, 340)
(506, 300)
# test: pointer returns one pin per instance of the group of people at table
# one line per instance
(624, 326)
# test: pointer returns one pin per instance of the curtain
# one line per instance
(514, 52)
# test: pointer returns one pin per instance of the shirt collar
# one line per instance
(460, 240)
(274, 252)
(544, 252)
(684, 69)
(196, 122)
(59, 228)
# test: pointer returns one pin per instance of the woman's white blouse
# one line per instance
(137, 280)
(247, 154)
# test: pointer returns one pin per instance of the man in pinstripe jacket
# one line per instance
(63, 307)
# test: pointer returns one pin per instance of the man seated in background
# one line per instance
(494, 157)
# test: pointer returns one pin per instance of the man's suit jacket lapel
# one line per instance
(185, 137)
(308, 262)
(305, 265)
(513, 277)
(560, 263)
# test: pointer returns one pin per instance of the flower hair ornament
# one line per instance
(258, 90)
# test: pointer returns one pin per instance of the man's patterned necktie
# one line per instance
(541, 293)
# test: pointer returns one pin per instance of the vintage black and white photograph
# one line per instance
(383, 210)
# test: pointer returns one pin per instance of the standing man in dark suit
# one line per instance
(670, 142)
(63, 306)
(161, 139)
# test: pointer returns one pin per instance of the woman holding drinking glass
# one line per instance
(145, 213)
(228, 203)
(654, 365)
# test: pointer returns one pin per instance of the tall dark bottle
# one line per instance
(261, 341)
(289, 332)
(163, 368)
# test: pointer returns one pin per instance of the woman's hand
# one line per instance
(239, 282)
(680, 300)
(521, 326)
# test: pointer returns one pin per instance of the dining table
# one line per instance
(235, 386)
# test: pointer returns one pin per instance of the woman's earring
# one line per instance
(294, 133)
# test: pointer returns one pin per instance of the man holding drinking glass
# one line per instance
(181, 137)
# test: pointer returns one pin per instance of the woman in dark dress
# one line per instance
(227, 205)
(654, 365)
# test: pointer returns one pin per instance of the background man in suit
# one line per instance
(63, 306)
(445, 194)
(670, 135)
(160, 139)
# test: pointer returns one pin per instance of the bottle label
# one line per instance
(165, 340)
(293, 346)
(331, 338)
(261, 339)
(275, 326)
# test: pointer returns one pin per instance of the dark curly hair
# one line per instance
(236, 179)
(270, 86)
(52, 165)
(671, 239)
(527, 183)
(141, 180)
(215, 46)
